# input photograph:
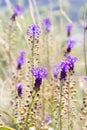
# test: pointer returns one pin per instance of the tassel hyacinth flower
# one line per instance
(39, 74)
(55, 70)
(70, 45)
(85, 78)
(68, 29)
(47, 24)
(19, 89)
(33, 30)
(20, 60)
(71, 61)
(64, 67)
(18, 10)
(47, 119)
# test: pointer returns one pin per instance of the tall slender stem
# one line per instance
(69, 103)
(48, 55)
(27, 116)
(60, 106)
(43, 109)
(85, 61)
(61, 27)
(32, 58)
(33, 42)
(61, 17)
(48, 58)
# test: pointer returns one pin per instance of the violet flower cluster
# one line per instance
(55, 70)
(68, 29)
(85, 78)
(18, 10)
(47, 119)
(70, 45)
(33, 30)
(64, 67)
(47, 24)
(39, 74)
(20, 59)
(71, 61)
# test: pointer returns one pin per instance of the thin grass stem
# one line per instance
(85, 61)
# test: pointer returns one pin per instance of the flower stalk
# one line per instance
(69, 103)
(85, 61)
(60, 106)
(27, 116)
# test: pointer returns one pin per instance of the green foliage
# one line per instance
(6, 128)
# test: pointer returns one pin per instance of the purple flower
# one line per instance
(37, 84)
(20, 59)
(85, 25)
(19, 89)
(63, 74)
(64, 68)
(61, 68)
(18, 10)
(85, 78)
(33, 30)
(71, 61)
(67, 66)
(69, 28)
(64, 65)
(47, 24)
(55, 70)
(39, 74)
(70, 45)
(47, 119)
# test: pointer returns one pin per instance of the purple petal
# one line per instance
(71, 43)
(47, 24)
(39, 72)
(69, 28)
(47, 119)
(85, 78)
(18, 10)
(19, 89)
(33, 30)
(20, 59)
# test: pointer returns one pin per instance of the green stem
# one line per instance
(48, 59)
(43, 109)
(27, 116)
(85, 43)
(48, 55)
(12, 117)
